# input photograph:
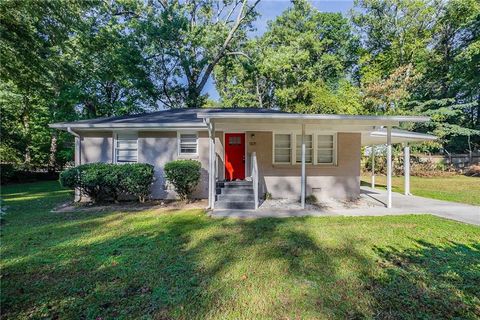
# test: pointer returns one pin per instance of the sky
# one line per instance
(269, 9)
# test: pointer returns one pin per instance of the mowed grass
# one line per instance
(456, 188)
(185, 265)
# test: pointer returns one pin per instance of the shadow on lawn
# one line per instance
(429, 282)
(172, 265)
(163, 271)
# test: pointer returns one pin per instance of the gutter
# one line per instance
(69, 129)
(287, 116)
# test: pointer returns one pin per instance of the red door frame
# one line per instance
(239, 157)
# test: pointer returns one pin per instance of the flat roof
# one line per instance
(300, 116)
(194, 118)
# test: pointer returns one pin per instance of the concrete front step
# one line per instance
(222, 184)
(240, 205)
(235, 197)
(235, 191)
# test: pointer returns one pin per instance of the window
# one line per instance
(326, 149)
(234, 140)
(308, 148)
(126, 148)
(282, 148)
(187, 144)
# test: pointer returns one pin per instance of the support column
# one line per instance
(373, 167)
(406, 168)
(211, 170)
(209, 164)
(303, 179)
(389, 167)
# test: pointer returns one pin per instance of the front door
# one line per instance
(234, 156)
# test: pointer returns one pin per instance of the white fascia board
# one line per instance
(226, 115)
(87, 126)
(405, 134)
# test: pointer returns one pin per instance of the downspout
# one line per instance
(78, 194)
(77, 145)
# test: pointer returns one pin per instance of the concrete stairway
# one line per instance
(234, 195)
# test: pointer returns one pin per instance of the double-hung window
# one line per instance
(187, 144)
(126, 148)
(320, 149)
(282, 148)
(308, 148)
(326, 149)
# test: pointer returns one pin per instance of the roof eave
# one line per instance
(83, 126)
(230, 115)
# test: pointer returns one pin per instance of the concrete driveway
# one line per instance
(371, 203)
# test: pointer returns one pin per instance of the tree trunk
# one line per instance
(26, 128)
(52, 161)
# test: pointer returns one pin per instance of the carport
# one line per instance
(387, 137)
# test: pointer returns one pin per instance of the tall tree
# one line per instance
(303, 55)
(188, 39)
(34, 37)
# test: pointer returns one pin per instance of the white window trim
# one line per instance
(315, 134)
(294, 159)
(186, 155)
(335, 149)
(115, 139)
(292, 144)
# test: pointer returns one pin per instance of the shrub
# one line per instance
(137, 179)
(184, 175)
(105, 181)
(311, 199)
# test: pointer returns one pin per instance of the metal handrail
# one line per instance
(254, 175)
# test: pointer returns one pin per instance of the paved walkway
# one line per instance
(373, 204)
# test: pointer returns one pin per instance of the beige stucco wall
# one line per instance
(283, 181)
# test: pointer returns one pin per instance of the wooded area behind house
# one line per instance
(69, 60)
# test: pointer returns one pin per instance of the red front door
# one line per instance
(234, 156)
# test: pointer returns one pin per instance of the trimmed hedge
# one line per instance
(106, 181)
(184, 175)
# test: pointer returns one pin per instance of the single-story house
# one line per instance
(245, 153)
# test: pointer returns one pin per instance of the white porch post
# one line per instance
(212, 167)
(389, 167)
(373, 166)
(302, 196)
(209, 163)
(406, 168)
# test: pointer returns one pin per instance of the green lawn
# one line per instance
(183, 264)
(453, 188)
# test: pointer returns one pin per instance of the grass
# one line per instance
(456, 188)
(184, 265)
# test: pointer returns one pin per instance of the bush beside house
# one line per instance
(184, 175)
(106, 181)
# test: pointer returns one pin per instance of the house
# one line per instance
(245, 152)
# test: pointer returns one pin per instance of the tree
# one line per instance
(301, 50)
(395, 33)
(34, 35)
(187, 40)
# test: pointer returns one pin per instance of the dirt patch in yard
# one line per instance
(71, 206)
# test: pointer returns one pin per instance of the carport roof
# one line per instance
(379, 136)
